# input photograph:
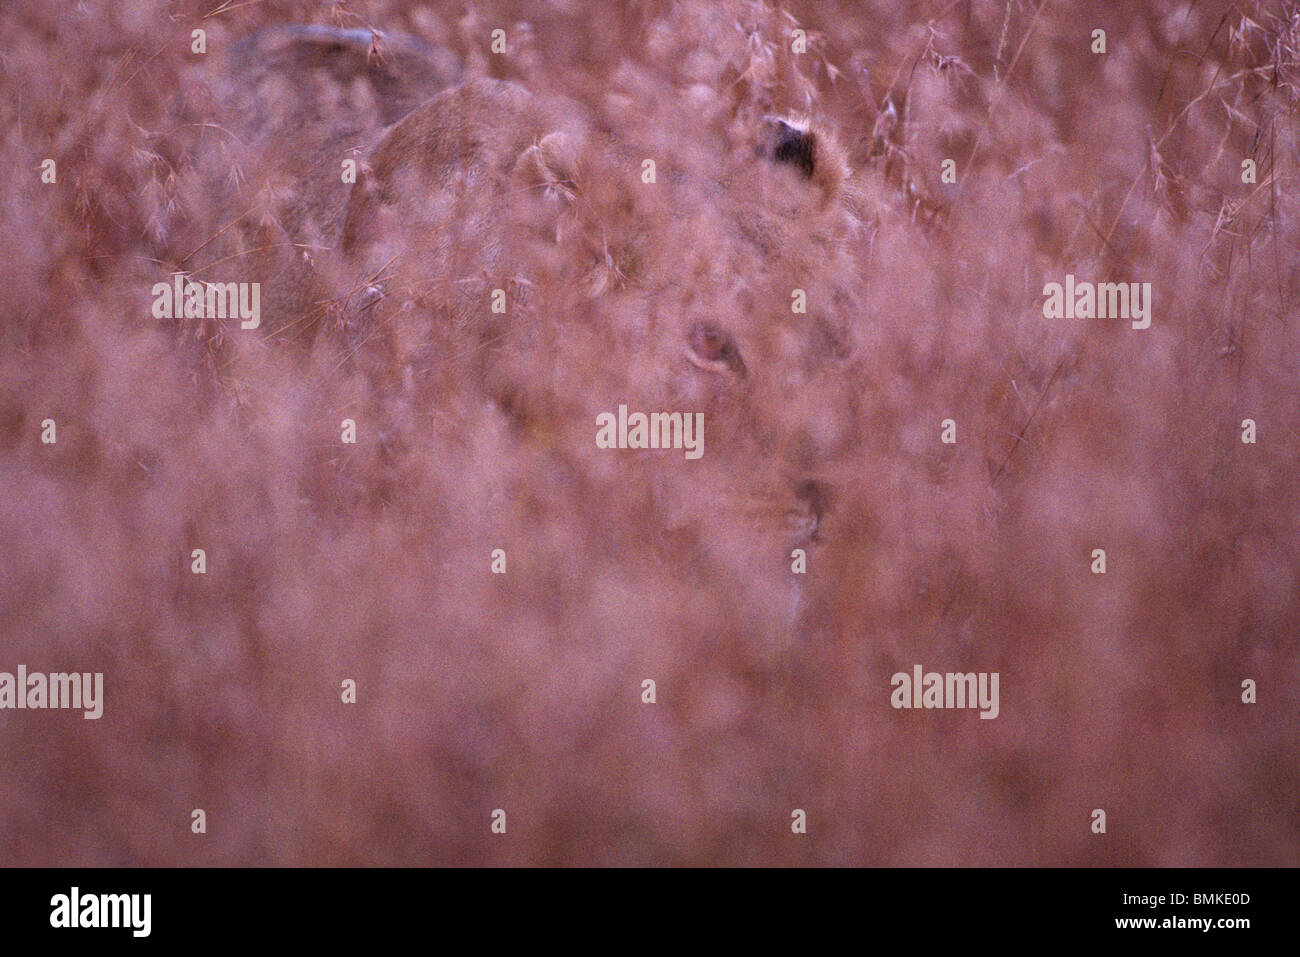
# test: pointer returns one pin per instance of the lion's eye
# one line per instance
(709, 343)
(713, 349)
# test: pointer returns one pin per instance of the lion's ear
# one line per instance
(550, 164)
(813, 152)
(790, 144)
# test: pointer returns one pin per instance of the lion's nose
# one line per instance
(814, 501)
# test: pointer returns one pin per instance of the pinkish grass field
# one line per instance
(476, 691)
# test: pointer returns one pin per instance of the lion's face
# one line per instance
(725, 286)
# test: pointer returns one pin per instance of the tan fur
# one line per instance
(298, 100)
(487, 187)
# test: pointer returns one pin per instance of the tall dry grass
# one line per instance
(522, 691)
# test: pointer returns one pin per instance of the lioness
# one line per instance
(533, 248)
(721, 281)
